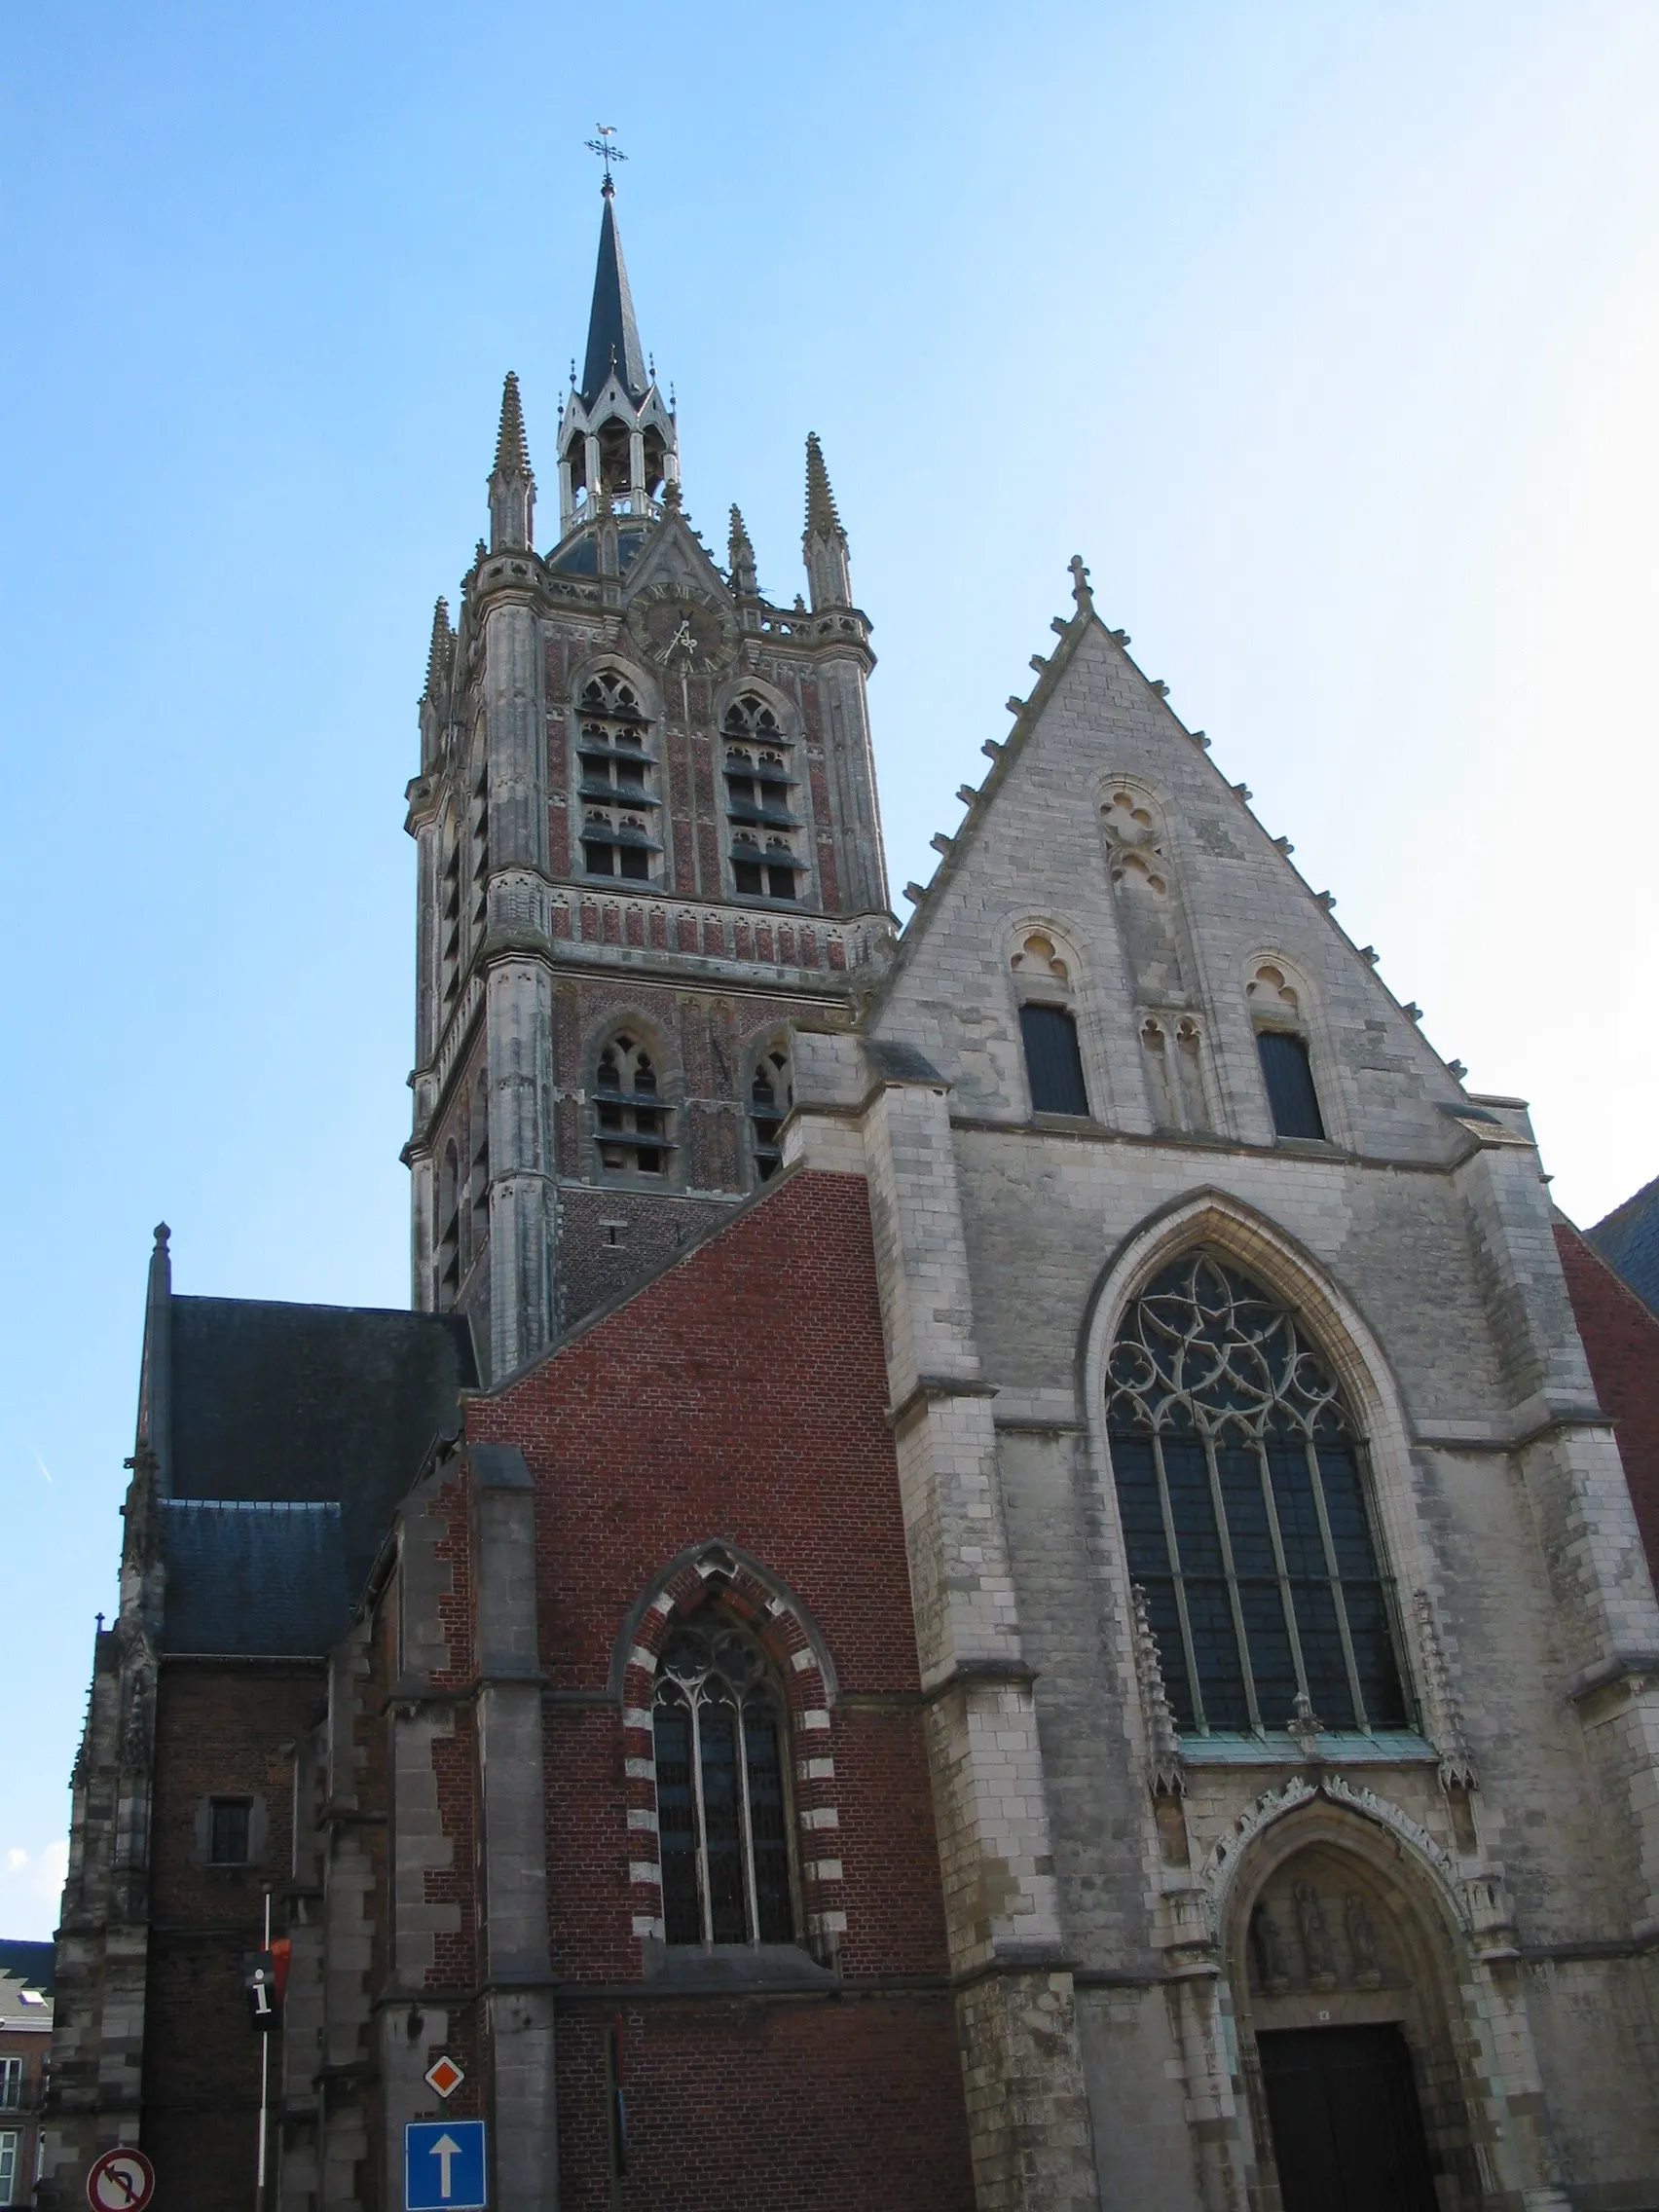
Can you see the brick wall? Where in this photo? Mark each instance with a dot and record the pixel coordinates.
(740, 1398)
(219, 1729)
(1621, 1342)
(784, 2107)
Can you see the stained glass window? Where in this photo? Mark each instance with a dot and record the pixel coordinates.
(722, 1822)
(1241, 1484)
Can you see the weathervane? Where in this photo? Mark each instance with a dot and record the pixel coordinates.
(607, 152)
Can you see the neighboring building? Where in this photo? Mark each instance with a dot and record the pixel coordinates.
(1628, 1239)
(991, 1572)
(26, 1978)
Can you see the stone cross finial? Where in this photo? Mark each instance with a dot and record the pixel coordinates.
(1079, 586)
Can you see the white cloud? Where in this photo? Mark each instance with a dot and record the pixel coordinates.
(31, 1888)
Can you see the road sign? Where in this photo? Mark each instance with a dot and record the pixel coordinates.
(443, 2166)
(121, 2181)
(444, 2076)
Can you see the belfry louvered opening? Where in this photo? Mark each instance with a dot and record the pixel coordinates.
(760, 805)
(1243, 1488)
(616, 792)
(722, 1811)
(631, 1118)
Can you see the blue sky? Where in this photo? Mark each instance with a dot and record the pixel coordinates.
(1326, 334)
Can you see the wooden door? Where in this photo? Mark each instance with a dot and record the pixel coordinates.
(1347, 2130)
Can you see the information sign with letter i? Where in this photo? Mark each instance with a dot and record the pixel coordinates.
(444, 2166)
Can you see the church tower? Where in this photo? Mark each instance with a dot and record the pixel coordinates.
(648, 840)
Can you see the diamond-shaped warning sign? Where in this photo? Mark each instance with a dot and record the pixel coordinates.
(444, 2076)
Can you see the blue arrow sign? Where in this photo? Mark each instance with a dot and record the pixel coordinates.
(443, 2166)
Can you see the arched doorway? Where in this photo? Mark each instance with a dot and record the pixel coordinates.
(1343, 1988)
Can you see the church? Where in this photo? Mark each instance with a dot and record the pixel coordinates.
(997, 1567)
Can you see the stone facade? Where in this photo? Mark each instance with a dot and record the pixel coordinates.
(800, 1258)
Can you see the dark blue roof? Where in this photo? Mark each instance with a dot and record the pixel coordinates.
(249, 1576)
(1629, 1241)
(33, 1964)
(311, 1405)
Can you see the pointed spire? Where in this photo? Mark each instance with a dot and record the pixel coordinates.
(613, 336)
(824, 541)
(512, 454)
(821, 519)
(440, 652)
(512, 482)
(742, 556)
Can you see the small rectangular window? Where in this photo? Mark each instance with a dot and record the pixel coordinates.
(7, 2165)
(1290, 1084)
(11, 2084)
(228, 1826)
(1052, 1062)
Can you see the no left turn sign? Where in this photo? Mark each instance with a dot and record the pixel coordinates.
(121, 2181)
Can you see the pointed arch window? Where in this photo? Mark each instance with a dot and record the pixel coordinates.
(617, 784)
(631, 1118)
(1241, 1483)
(771, 1094)
(765, 828)
(721, 1788)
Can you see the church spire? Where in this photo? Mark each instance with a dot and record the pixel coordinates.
(616, 435)
(613, 336)
(823, 539)
(439, 653)
(513, 483)
(742, 557)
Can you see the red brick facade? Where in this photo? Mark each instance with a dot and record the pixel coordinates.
(1621, 1342)
(739, 1399)
(220, 1729)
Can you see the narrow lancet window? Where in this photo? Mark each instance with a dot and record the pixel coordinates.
(631, 1119)
(1054, 1065)
(765, 828)
(722, 1818)
(771, 1096)
(618, 791)
(1241, 1484)
(1290, 1078)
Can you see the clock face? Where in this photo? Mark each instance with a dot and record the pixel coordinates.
(680, 629)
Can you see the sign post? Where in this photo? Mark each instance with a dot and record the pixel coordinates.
(444, 2166)
(122, 2180)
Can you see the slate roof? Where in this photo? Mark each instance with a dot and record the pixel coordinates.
(252, 1577)
(1628, 1239)
(293, 1432)
(26, 1966)
(613, 336)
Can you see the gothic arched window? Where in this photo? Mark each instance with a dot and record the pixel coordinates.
(616, 790)
(770, 1097)
(723, 1808)
(1241, 1481)
(631, 1119)
(758, 803)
